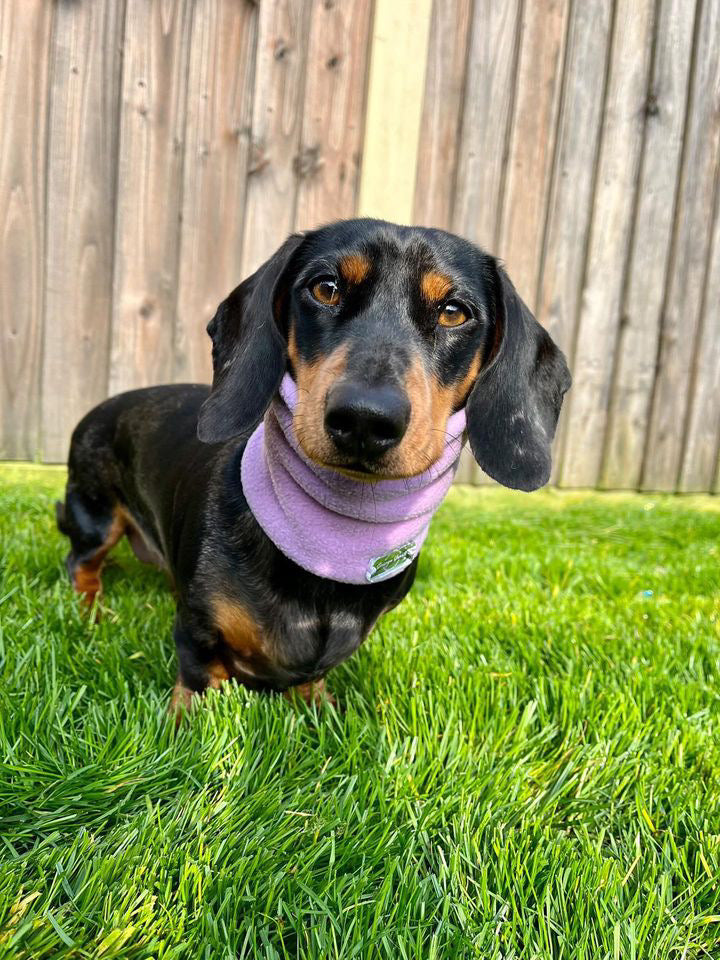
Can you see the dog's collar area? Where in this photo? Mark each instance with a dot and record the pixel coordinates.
(331, 524)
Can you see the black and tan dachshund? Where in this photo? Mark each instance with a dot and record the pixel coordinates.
(419, 323)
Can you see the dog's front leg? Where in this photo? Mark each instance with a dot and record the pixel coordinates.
(200, 666)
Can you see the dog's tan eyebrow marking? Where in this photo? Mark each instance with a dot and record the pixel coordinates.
(435, 286)
(354, 268)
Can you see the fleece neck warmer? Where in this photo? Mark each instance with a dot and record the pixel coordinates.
(332, 525)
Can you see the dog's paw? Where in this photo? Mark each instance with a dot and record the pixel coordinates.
(313, 693)
(181, 703)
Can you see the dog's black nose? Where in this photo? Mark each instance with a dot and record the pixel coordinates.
(365, 422)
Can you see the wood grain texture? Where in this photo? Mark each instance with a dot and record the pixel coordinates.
(152, 123)
(156, 151)
(276, 124)
(570, 200)
(333, 113)
(442, 113)
(532, 140)
(484, 133)
(688, 265)
(394, 109)
(487, 113)
(25, 30)
(85, 89)
(702, 427)
(570, 203)
(636, 349)
(610, 235)
(217, 149)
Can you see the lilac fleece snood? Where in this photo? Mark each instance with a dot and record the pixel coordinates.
(330, 524)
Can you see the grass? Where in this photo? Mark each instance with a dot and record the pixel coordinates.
(526, 765)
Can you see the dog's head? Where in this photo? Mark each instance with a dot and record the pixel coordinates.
(387, 331)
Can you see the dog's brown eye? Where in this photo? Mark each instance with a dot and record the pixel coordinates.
(452, 314)
(326, 292)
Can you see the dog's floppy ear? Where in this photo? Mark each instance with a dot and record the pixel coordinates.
(249, 351)
(513, 408)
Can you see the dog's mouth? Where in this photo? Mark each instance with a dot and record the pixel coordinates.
(357, 470)
(362, 471)
(354, 469)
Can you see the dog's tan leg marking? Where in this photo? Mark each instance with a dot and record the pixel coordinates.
(181, 701)
(86, 579)
(315, 692)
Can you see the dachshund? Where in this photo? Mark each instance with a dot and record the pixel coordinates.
(367, 339)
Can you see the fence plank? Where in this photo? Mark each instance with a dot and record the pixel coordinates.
(135, 127)
(442, 113)
(532, 140)
(663, 452)
(570, 202)
(217, 147)
(702, 431)
(640, 323)
(84, 89)
(24, 57)
(276, 124)
(609, 239)
(394, 109)
(152, 123)
(484, 132)
(489, 91)
(333, 112)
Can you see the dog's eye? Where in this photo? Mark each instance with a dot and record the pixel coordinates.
(326, 291)
(452, 314)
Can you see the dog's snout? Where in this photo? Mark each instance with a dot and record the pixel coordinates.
(365, 422)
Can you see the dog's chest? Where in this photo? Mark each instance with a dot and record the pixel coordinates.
(277, 624)
(287, 641)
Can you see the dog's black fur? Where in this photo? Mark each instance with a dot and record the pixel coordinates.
(162, 465)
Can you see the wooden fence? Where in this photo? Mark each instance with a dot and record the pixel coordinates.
(155, 151)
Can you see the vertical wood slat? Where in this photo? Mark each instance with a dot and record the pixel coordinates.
(686, 280)
(25, 32)
(82, 140)
(328, 164)
(152, 119)
(537, 97)
(442, 113)
(570, 200)
(636, 348)
(488, 104)
(487, 111)
(183, 155)
(443, 97)
(394, 108)
(276, 123)
(702, 434)
(610, 234)
(217, 147)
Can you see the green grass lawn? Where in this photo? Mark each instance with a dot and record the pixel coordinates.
(526, 763)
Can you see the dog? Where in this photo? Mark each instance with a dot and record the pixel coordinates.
(367, 340)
